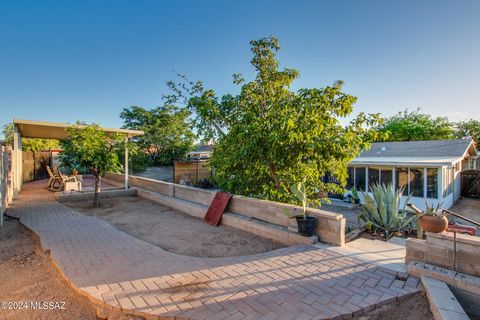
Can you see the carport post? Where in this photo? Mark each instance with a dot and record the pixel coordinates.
(126, 163)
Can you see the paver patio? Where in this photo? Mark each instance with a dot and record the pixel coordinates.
(298, 282)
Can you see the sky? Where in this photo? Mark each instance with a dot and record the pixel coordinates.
(87, 60)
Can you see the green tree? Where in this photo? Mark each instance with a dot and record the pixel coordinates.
(269, 137)
(137, 158)
(91, 147)
(29, 144)
(468, 127)
(414, 125)
(168, 133)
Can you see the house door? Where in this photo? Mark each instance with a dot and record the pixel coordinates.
(471, 183)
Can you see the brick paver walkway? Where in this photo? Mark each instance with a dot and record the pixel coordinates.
(299, 282)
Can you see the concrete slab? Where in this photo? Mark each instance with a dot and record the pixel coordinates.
(386, 254)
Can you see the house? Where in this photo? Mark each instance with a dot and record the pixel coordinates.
(201, 152)
(428, 170)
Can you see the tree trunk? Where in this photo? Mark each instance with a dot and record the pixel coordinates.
(96, 196)
(272, 171)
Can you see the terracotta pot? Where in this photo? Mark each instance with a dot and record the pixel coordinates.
(435, 224)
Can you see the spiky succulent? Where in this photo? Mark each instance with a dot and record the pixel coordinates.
(383, 210)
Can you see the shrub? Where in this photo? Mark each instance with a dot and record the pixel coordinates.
(382, 211)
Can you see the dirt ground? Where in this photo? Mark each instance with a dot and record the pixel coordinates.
(27, 276)
(173, 230)
(412, 308)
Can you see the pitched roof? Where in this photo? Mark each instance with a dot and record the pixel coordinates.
(425, 149)
(204, 148)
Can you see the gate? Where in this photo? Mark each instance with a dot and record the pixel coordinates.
(471, 183)
(34, 163)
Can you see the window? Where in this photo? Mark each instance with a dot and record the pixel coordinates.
(386, 176)
(373, 176)
(416, 182)
(350, 178)
(432, 183)
(360, 178)
(401, 179)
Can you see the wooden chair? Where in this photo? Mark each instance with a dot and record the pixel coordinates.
(53, 179)
(62, 179)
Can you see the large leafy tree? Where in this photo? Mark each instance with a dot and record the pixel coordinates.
(468, 127)
(92, 148)
(414, 125)
(168, 133)
(270, 137)
(29, 144)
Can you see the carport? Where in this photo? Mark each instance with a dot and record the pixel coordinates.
(49, 130)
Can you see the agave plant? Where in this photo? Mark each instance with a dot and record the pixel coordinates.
(432, 210)
(383, 210)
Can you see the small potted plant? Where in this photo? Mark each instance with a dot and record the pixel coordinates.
(306, 224)
(433, 219)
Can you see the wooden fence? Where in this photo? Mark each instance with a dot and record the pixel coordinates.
(191, 172)
(471, 183)
(34, 165)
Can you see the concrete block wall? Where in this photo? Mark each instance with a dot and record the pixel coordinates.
(331, 226)
(438, 249)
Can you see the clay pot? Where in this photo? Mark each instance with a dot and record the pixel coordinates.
(435, 224)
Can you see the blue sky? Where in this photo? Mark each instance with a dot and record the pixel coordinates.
(87, 60)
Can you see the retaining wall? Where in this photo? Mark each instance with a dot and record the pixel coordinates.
(331, 226)
(438, 249)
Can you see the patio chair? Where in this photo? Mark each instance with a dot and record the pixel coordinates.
(65, 180)
(53, 179)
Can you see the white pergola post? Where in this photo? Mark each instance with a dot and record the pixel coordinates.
(17, 162)
(126, 163)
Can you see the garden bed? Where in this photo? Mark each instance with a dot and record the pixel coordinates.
(173, 230)
(27, 275)
(415, 307)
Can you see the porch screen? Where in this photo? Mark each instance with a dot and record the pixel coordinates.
(350, 178)
(401, 179)
(432, 183)
(373, 177)
(386, 176)
(416, 182)
(360, 178)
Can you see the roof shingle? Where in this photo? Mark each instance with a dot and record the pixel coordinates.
(428, 148)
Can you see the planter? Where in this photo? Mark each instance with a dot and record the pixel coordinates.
(306, 227)
(435, 224)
